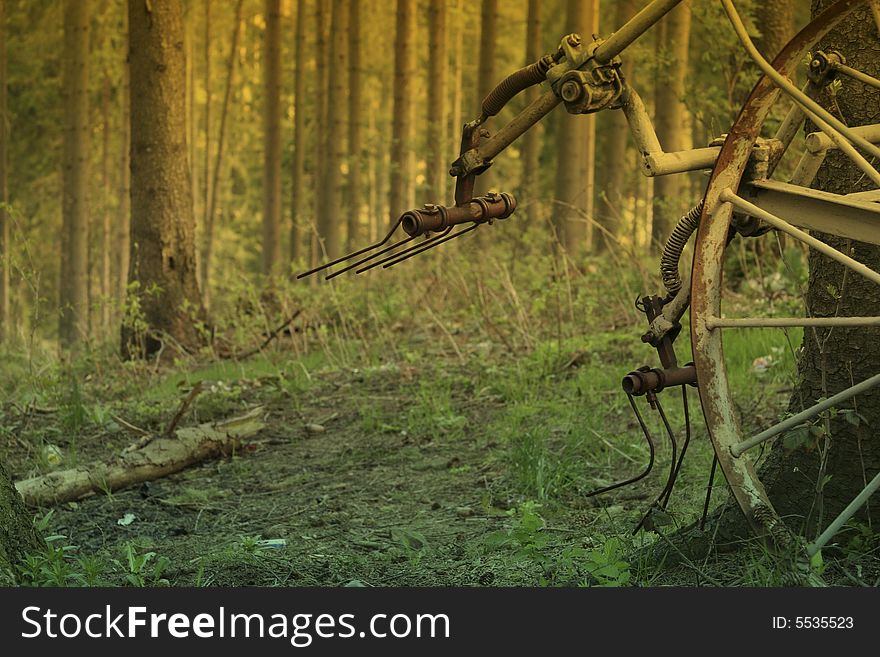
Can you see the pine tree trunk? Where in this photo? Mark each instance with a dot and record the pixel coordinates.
(123, 219)
(322, 51)
(775, 20)
(5, 259)
(614, 194)
(574, 189)
(670, 120)
(163, 253)
(437, 113)
(106, 224)
(486, 73)
(211, 212)
(356, 229)
(17, 534)
(73, 325)
(333, 187)
(533, 138)
(808, 493)
(401, 138)
(297, 204)
(457, 77)
(272, 140)
(206, 167)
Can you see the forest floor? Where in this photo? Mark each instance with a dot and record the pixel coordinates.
(440, 469)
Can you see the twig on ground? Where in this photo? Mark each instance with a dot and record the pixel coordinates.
(274, 334)
(184, 405)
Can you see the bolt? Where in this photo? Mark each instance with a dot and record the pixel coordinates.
(574, 39)
(571, 91)
(484, 133)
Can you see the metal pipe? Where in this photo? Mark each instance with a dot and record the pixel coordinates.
(845, 515)
(855, 74)
(841, 143)
(728, 196)
(782, 322)
(633, 29)
(816, 142)
(812, 108)
(790, 423)
(480, 158)
(664, 164)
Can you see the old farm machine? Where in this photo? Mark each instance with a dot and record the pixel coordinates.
(742, 198)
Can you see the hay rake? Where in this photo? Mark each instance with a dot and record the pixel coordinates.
(742, 198)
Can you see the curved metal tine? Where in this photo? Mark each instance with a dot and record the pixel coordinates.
(673, 470)
(684, 447)
(370, 257)
(353, 255)
(430, 246)
(708, 491)
(406, 250)
(651, 450)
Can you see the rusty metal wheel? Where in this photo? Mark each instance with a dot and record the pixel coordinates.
(735, 192)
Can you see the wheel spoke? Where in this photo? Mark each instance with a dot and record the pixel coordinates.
(790, 423)
(780, 224)
(845, 515)
(784, 322)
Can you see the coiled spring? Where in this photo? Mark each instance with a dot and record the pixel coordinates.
(674, 247)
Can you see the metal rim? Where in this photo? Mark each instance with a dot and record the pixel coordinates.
(706, 280)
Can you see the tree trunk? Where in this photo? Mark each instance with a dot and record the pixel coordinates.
(809, 486)
(163, 227)
(486, 73)
(775, 20)
(123, 219)
(272, 140)
(614, 193)
(401, 137)
(320, 133)
(297, 204)
(5, 259)
(575, 152)
(457, 75)
(533, 138)
(211, 211)
(73, 324)
(206, 167)
(106, 224)
(17, 533)
(333, 186)
(437, 112)
(356, 228)
(670, 119)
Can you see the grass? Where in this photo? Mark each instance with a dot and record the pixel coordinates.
(443, 428)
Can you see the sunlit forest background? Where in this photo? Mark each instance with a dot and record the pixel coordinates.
(582, 187)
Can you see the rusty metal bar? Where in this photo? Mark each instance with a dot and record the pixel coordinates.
(837, 139)
(790, 423)
(811, 107)
(633, 29)
(850, 510)
(664, 164)
(807, 168)
(812, 209)
(782, 322)
(643, 381)
(480, 158)
(433, 218)
(728, 196)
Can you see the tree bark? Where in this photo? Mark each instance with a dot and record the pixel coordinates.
(5, 259)
(356, 228)
(670, 119)
(486, 72)
(437, 108)
(575, 153)
(297, 204)
(123, 218)
(320, 134)
(206, 168)
(775, 20)
(614, 193)
(333, 187)
(163, 227)
(401, 138)
(272, 140)
(533, 138)
(17, 534)
(73, 325)
(106, 223)
(809, 486)
(211, 211)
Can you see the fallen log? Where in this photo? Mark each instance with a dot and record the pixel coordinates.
(159, 458)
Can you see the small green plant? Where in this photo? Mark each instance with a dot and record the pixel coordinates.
(142, 569)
